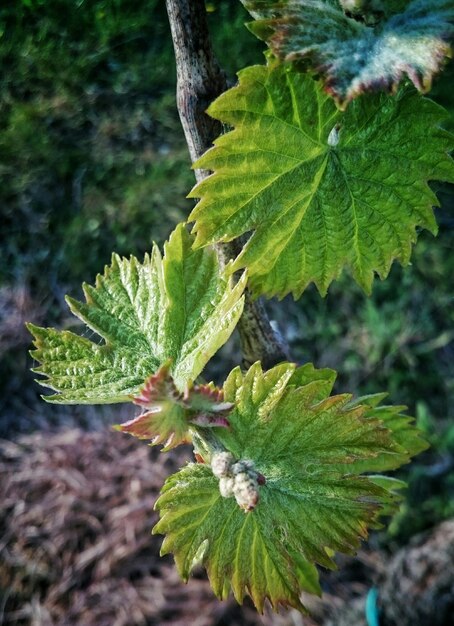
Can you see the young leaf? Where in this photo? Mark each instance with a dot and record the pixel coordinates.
(318, 188)
(169, 413)
(406, 437)
(301, 424)
(292, 437)
(178, 308)
(366, 47)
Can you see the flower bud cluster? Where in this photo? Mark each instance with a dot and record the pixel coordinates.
(238, 479)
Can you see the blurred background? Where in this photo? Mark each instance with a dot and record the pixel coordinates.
(93, 160)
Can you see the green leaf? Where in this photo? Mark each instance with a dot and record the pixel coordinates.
(176, 308)
(393, 486)
(307, 373)
(284, 441)
(369, 47)
(242, 552)
(388, 482)
(169, 413)
(302, 425)
(318, 188)
(408, 439)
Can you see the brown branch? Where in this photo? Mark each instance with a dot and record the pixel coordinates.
(199, 82)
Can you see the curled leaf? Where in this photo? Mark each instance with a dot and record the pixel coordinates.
(165, 418)
(357, 47)
(169, 414)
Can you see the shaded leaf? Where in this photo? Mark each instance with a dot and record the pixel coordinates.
(319, 189)
(368, 47)
(176, 308)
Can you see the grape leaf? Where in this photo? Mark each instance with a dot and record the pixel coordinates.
(169, 413)
(306, 508)
(362, 50)
(406, 437)
(176, 308)
(313, 428)
(393, 486)
(318, 188)
(307, 373)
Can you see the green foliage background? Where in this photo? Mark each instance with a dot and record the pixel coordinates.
(92, 160)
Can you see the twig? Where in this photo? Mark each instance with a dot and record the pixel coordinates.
(199, 81)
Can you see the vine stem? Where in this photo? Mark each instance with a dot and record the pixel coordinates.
(199, 81)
